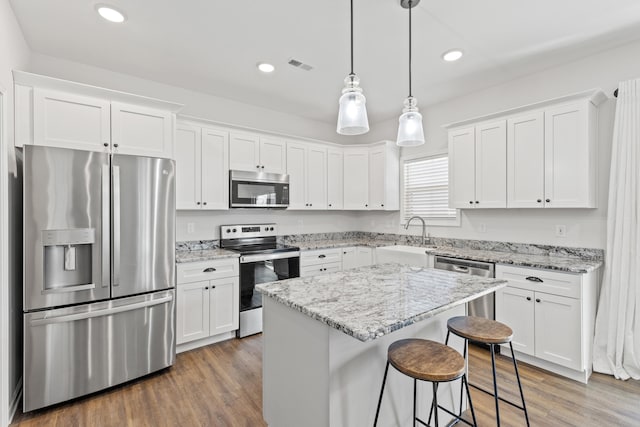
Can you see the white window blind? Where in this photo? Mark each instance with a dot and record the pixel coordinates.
(426, 188)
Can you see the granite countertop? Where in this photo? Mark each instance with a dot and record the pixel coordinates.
(550, 262)
(204, 255)
(369, 302)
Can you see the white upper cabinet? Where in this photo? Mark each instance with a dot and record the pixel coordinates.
(70, 121)
(335, 178)
(356, 178)
(384, 177)
(60, 113)
(141, 131)
(478, 166)
(548, 160)
(570, 155)
(462, 168)
(252, 152)
(202, 171)
(307, 169)
(525, 159)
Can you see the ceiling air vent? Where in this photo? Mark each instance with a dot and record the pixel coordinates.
(299, 64)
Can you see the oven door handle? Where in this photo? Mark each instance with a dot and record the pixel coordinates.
(267, 257)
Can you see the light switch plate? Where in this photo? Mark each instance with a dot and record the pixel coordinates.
(561, 230)
(191, 227)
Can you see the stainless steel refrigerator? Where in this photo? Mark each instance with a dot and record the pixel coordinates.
(99, 271)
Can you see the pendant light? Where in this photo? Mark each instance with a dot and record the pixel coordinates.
(410, 131)
(352, 115)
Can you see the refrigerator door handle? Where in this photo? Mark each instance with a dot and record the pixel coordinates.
(100, 313)
(105, 226)
(116, 225)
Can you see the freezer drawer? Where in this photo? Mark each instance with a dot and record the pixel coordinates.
(74, 351)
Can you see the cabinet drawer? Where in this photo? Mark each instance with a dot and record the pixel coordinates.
(207, 270)
(552, 282)
(314, 270)
(320, 256)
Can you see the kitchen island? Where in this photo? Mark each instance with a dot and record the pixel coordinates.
(326, 337)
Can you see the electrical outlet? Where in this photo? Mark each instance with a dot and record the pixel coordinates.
(482, 228)
(561, 230)
(191, 227)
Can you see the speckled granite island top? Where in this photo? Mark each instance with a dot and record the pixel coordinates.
(370, 302)
(204, 255)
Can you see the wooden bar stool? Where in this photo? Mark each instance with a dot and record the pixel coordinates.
(491, 333)
(427, 360)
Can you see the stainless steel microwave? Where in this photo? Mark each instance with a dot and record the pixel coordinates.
(258, 190)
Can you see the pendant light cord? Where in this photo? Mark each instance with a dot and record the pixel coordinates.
(352, 38)
(410, 7)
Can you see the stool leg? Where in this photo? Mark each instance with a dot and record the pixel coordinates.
(415, 385)
(495, 383)
(384, 380)
(466, 363)
(515, 367)
(473, 412)
(446, 341)
(435, 403)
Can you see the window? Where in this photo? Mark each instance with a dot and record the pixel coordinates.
(426, 191)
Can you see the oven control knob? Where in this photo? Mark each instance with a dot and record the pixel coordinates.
(234, 230)
(271, 229)
(228, 230)
(266, 229)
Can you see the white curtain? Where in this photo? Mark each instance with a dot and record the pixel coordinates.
(617, 333)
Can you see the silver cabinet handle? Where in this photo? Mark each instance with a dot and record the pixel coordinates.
(116, 225)
(106, 222)
(209, 270)
(100, 313)
(460, 268)
(534, 279)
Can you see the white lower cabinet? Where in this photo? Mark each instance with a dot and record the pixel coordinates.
(320, 261)
(552, 315)
(356, 256)
(207, 300)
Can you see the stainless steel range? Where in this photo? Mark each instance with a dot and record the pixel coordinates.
(262, 260)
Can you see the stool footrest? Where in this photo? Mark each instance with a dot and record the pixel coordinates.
(457, 417)
(491, 394)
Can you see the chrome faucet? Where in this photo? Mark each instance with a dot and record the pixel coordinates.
(425, 241)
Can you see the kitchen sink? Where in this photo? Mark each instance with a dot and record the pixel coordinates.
(409, 255)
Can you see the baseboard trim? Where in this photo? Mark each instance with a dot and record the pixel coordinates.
(15, 400)
(580, 376)
(205, 341)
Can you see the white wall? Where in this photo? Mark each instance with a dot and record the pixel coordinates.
(14, 53)
(586, 227)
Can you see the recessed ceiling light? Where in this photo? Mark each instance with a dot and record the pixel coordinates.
(110, 13)
(452, 55)
(266, 68)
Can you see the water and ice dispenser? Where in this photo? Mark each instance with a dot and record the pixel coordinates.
(68, 259)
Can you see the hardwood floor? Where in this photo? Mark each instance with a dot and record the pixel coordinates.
(221, 385)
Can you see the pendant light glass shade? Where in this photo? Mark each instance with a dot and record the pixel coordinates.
(352, 116)
(410, 131)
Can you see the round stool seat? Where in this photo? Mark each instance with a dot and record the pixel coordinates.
(426, 360)
(480, 330)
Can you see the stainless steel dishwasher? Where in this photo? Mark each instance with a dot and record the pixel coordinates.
(480, 307)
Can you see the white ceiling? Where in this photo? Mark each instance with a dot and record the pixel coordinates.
(213, 46)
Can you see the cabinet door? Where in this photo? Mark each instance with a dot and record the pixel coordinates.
(377, 178)
(364, 256)
(70, 121)
(224, 305)
(244, 152)
(141, 131)
(316, 177)
(515, 307)
(569, 157)
(192, 312)
(356, 179)
(335, 178)
(273, 155)
(215, 169)
(349, 258)
(491, 165)
(296, 168)
(188, 154)
(462, 168)
(525, 161)
(557, 330)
